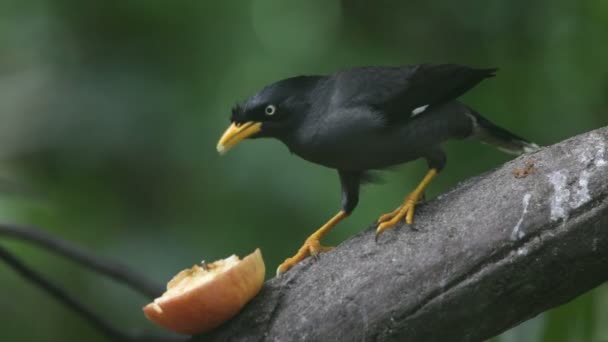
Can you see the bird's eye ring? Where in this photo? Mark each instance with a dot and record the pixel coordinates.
(270, 109)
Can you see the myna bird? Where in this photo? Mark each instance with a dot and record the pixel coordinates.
(369, 118)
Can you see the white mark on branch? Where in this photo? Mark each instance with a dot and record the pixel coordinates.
(522, 251)
(594, 152)
(601, 150)
(560, 197)
(582, 195)
(518, 233)
(590, 158)
(565, 198)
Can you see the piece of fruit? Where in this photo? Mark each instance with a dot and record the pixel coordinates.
(203, 297)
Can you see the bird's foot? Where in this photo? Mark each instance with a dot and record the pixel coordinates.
(406, 210)
(311, 246)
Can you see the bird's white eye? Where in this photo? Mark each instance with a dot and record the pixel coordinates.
(270, 109)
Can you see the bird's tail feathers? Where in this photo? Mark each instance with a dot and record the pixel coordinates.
(499, 137)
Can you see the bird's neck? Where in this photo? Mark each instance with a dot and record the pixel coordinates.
(308, 108)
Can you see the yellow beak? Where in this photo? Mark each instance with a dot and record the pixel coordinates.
(235, 133)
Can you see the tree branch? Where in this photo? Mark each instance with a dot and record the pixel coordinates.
(112, 269)
(493, 252)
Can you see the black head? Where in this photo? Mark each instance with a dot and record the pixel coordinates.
(272, 112)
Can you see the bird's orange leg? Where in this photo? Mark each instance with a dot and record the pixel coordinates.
(407, 208)
(312, 245)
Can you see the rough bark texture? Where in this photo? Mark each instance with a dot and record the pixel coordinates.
(495, 251)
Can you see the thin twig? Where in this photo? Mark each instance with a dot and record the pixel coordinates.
(112, 269)
(107, 329)
(56, 292)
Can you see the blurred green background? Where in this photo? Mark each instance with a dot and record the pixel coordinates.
(110, 112)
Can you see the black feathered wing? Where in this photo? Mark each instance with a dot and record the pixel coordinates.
(396, 92)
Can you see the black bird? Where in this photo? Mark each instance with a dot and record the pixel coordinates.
(369, 118)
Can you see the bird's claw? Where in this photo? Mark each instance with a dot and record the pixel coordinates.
(310, 247)
(406, 210)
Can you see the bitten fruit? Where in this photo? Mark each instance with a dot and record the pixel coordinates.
(203, 297)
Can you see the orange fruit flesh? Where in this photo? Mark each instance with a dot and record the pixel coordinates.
(203, 297)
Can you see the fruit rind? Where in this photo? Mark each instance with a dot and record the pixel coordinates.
(198, 300)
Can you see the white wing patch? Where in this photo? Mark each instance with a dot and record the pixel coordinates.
(419, 110)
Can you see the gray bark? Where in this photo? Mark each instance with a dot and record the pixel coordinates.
(495, 251)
